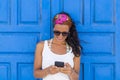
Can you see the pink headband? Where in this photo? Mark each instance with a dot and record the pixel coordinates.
(61, 18)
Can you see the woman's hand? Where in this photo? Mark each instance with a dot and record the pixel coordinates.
(67, 69)
(52, 70)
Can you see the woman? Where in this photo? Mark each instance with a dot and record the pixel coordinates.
(59, 57)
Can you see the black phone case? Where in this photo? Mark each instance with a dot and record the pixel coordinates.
(59, 64)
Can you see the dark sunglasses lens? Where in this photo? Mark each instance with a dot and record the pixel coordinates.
(65, 33)
(57, 33)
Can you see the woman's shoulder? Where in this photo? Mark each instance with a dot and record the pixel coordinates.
(41, 43)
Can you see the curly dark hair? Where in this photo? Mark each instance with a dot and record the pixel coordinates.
(72, 39)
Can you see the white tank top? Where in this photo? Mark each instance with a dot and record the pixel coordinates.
(49, 58)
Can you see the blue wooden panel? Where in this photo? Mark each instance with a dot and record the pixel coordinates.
(117, 40)
(25, 71)
(102, 72)
(17, 43)
(56, 6)
(81, 76)
(12, 66)
(93, 17)
(4, 9)
(4, 71)
(77, 7)
(102, 6)
(103, 43)
(27, 18)
(28, 12)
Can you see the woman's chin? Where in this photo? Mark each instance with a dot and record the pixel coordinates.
(60, 40)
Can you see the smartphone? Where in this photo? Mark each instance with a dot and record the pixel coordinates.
(59, 64)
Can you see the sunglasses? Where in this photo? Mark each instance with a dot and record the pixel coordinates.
(57, 33)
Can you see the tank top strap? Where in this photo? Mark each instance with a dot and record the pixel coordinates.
(45, 44)
(45, 48)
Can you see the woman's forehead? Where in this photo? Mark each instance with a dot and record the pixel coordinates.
(61, 27)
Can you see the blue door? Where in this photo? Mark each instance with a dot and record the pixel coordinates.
(25, 22)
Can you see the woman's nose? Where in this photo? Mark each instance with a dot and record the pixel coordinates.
(60, 36)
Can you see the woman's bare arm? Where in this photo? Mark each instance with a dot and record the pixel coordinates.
(75, 73)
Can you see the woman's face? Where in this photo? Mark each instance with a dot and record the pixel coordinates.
(61, 32)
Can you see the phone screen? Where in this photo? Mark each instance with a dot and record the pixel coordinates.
(59, 64)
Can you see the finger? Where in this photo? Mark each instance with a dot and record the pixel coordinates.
(54, 67)
(67, 65)
(62, 68)
(65, 71)
(54, 70)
